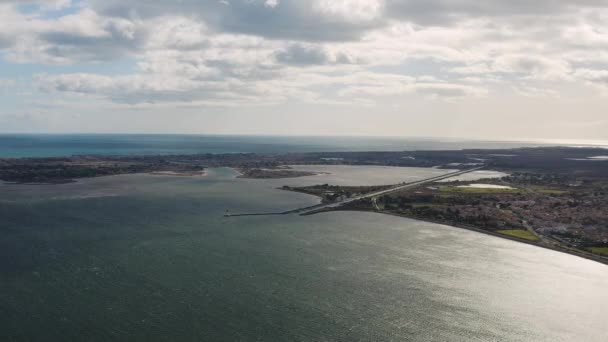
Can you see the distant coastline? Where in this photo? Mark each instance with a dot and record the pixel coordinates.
(67, 145)
(179, 173)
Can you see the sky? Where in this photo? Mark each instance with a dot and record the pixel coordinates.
(492, 69)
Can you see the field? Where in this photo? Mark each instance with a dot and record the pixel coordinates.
(550, 191)
(519, 233)
(455, 189)
(599, 250)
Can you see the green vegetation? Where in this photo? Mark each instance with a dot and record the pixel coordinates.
(426, 205)
(519, 233)
(599, 250)
(332, 193)
(272, 173)
(551, 191)
(455, 189)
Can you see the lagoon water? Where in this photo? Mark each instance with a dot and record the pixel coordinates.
(151, 258)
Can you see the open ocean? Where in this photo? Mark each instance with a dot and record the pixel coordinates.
(51, 145)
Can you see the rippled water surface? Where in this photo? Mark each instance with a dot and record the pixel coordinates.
(151, 258)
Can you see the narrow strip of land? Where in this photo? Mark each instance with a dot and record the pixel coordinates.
(396, 188)
(399, 187)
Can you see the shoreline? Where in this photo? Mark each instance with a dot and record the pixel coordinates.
(80, 179)
(178, 173)
(566, 250)
(276, 173)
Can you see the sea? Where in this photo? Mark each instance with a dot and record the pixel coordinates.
(60, 145)
(152, 258)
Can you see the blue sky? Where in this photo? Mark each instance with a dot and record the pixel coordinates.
(493, 70)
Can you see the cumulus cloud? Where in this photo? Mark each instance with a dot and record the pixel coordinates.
(134, 89)
(374, 85)
(537, 67)
(309, 55)
(594, 76)
(350, 10)
(528, 66)
(270, 50)
(82, 36)
(44, 4)
(303, 55)
(312, 20)
(441, 12)
(7, 83)
(271, 3)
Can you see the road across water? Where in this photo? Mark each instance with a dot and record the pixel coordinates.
(399, 187)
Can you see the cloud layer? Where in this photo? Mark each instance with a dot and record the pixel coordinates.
(244, 53)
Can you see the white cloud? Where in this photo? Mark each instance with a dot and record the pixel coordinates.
(532, 66)
(599, 77)
(176, 33)
(350, 10)
(7, 83)
(45, 4)
(271, 3)
(244, 53)
(374, 85)
(83, 36)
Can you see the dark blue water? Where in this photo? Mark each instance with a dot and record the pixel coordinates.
(46, 145)
(151, 258)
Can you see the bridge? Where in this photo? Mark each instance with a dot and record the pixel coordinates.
(324, 206)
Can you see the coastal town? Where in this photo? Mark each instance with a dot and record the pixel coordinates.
(565, 213)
